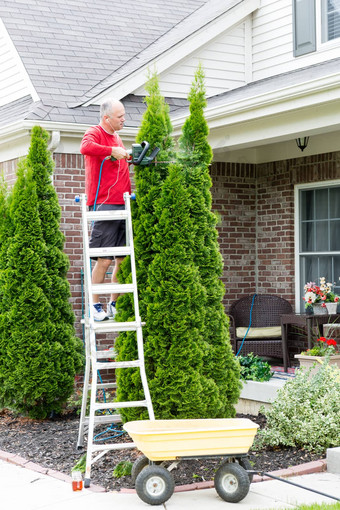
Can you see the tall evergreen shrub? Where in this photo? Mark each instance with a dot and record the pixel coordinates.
(196, 155)
(175, 349)
(40, 161)
(5, 233)
(156, 129)
(5, 223)
(39, 354)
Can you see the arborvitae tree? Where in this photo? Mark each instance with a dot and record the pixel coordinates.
(39, 353)
(57, 263)
(5, 224)
(30, 364)
(156, 129)
(175, 349)
(5, 233)
(196, 155)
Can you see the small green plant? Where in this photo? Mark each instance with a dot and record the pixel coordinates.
(80, 465)
(73, 403)
(305, 413)
(123, 468)
(254, 368)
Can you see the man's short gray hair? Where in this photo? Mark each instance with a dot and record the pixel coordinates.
(108, 107)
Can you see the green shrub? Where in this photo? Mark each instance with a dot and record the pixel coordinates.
(306, 412)
(39, 353)
(253, 368)
(175, 315)
(219, 363)
(156, 129)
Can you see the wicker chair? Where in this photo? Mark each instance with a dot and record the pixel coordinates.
(264, 336)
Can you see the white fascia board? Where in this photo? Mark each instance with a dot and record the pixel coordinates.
(19, 63)
(271, 104)
(181, 50)
(308, 93)
(15, 138)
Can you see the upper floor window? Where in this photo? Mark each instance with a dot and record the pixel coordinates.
(330, 19)
(315, 22)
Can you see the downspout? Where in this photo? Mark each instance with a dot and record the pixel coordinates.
(54, 141)
(54, 144)
(256, 237)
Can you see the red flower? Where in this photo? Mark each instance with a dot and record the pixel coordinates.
(321, 339)
(331, 342)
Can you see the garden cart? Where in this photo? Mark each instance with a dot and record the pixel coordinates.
(175, 440)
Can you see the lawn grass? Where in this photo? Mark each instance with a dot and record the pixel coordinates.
(320, 506)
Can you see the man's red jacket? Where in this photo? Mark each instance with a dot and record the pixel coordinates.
(115, 179)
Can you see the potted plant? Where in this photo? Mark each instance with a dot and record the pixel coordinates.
(320, 299)
(322, 348)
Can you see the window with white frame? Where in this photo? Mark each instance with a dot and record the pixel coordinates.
(319, 235)
(330, 19)
(315, 22)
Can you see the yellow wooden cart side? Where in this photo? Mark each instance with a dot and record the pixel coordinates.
(173, 439)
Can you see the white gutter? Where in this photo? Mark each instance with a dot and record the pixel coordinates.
(263, 118)
(309, 93)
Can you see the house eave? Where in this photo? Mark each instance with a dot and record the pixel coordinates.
(15, 137)
(308, 108)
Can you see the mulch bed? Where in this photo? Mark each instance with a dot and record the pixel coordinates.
(53, 444)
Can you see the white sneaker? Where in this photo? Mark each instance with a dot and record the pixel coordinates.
(111, 311)
(98, 312)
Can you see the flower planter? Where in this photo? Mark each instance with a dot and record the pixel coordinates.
(331, 308)
(318, 309)
(316, 361)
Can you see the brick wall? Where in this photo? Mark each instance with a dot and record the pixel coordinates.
(275, 230)
(69, 181)
(255, 204)
(234, 199)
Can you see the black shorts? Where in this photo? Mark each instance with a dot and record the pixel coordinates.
(108, 234)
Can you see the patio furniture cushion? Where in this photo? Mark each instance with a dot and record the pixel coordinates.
(266, 332)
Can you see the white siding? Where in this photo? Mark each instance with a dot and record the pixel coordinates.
(272, 41)
(14, 81)
(223, 61)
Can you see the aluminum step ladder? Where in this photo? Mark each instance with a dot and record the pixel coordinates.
(99, 359)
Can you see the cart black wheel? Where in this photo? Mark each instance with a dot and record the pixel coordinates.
(139, 464)
(244, 462)
(155, 485)
(231, 482)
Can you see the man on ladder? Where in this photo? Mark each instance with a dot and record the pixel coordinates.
(106, 181)
(108, 194)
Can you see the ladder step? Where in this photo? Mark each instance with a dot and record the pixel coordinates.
(106, 354)
(106, 215)
(106, 386)
(112, 288)
(120, 405)
(119, 251)
(104, 419)
(111, 326)
(117, 364)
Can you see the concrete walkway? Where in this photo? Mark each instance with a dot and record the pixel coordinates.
(24, 485)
